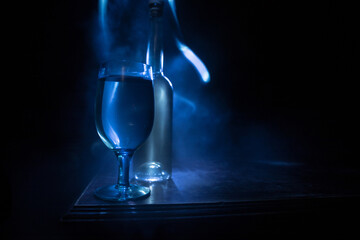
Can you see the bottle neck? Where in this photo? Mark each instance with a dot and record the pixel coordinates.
(155, 54)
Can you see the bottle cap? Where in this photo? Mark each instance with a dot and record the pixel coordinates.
(156, 7)
(156, 1)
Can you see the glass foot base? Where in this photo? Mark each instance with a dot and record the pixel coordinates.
(151, 172)
(119, 194)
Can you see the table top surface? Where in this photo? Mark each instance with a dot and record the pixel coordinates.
(215, 188)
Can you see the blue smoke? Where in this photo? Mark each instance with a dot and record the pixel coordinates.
(107, 19)
(203, 126)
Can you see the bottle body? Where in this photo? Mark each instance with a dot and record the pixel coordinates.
(153, 160)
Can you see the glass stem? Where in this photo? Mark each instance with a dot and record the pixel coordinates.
(124, 159)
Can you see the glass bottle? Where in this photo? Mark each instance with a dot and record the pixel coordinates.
(153, 160)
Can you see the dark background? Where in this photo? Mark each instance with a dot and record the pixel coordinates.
(287, 66)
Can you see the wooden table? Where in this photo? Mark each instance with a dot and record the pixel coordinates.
(246, 197)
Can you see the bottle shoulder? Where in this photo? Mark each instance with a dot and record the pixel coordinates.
(160, 78)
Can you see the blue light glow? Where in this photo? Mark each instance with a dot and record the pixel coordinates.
(104, 33)
(188, 53)
(195, 60)
(102, 8)
(187, 102)
(106, 39)
(173, 9)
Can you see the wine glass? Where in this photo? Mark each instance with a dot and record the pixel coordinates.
(124, 114)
